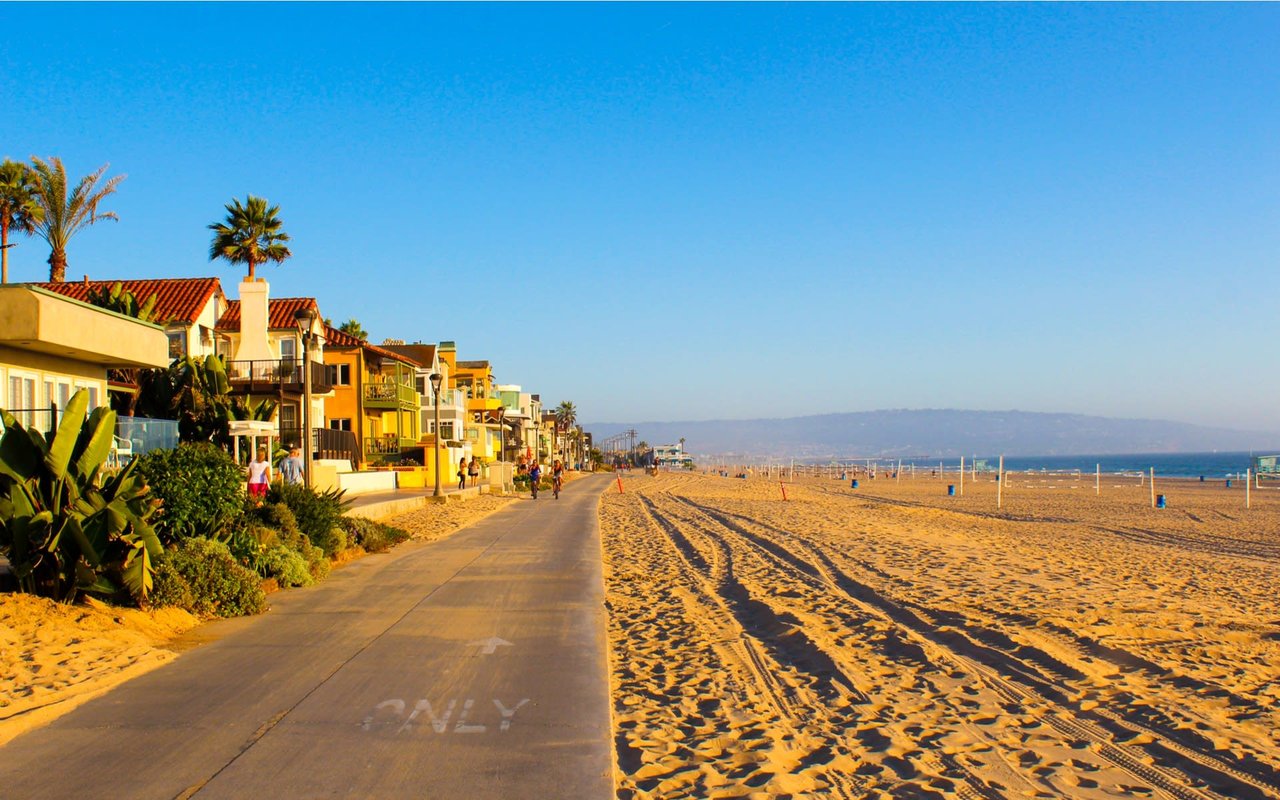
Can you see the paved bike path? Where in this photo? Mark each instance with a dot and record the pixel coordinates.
(473, 667)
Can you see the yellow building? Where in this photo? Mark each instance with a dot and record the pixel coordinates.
(52, 346)
(474, 379)
(374, 397)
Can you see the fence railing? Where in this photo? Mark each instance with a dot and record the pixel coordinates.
(325, 443)
(285, 374)
(44, 419)
(144, 434)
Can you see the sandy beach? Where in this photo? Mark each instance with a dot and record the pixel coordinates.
(894, 642)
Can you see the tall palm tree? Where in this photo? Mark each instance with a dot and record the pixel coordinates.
(19, 210)
(250, 234)
(566, 414)
(353, 328)
(65, 214)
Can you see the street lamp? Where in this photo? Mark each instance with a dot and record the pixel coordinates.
(305, 318)
(502, 435)
(436, 379)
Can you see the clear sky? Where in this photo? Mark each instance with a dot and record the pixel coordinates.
(666, 212)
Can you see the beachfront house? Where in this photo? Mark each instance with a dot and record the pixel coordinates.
(375, 397)
(475, 382)
(188, 309)
(52, 346)
(263, 346)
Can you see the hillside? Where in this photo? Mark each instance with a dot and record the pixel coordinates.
(940, 432)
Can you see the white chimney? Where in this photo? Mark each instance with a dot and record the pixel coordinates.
(254, 344)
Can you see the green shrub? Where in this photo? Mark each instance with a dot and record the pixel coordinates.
(286, 565)
(200, 486)
(319, 514)
(374, 537)
(215, 583)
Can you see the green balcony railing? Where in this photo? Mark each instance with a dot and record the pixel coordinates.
(389, 394)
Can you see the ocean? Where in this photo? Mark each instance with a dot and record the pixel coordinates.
(1170, 465)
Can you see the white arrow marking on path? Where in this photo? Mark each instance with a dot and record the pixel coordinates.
(490, 646)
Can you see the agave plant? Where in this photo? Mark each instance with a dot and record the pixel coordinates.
(65, 525)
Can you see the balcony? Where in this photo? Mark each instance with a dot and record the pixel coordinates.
(276, 377)
(387, 445)
(390, 394)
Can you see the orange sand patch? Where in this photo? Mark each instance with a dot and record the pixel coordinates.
(54, 657)
(895, 642)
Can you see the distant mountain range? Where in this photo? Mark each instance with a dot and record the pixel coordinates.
(945, 433)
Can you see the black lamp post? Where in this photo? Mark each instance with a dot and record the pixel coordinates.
(502, 435)
(305, 318)
(436, 379)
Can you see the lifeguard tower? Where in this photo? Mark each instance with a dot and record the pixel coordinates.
(1267, 468)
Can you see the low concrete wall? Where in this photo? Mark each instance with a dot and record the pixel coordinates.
(362, 482)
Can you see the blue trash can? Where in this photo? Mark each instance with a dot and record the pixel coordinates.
(854, 484)
(951, 490)
(1228, 483)
(1159, 501)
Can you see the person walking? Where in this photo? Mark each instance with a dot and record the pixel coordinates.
(473, 470)
(259, 476)
(292, 468)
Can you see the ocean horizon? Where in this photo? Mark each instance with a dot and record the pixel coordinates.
(1170, 465)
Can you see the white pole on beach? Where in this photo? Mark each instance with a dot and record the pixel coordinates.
(962, 476)
(940, 475)
(898, 473)
(793, 469)
(1153, 487)
(1000, 484)
(1097, 479)
(1248, 481)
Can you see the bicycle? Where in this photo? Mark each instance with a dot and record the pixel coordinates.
(555, 486)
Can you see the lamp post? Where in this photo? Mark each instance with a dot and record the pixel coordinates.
(502, 435)
(436, 379)
(305, 318)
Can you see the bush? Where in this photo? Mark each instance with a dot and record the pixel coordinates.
(318, 514)
(200, 486)
(286, 565)
(374, 537)
(203, 577)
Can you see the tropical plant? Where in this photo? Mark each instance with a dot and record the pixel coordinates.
(19, 210)
(122, 301)
(197, 393)
(318, 514)
(63, 214)
(65, 526)
(353, 328)
(200, 487)
(250, 234)
(566, 414)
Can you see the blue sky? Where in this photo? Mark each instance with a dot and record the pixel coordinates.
(668, 212)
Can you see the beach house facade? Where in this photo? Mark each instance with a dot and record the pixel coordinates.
(52, 346)
(263, 344)
(375, 397)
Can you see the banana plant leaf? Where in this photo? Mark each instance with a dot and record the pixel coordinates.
(64, 441)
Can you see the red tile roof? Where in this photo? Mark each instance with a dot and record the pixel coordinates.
(177, 299)
(336, 338)
(280, 310)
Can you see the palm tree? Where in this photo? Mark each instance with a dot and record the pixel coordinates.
(353, 328)
(65, 214)
(250, 235)
(18, 208)
(566, 414)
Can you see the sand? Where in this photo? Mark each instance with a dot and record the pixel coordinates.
(894, 642)
(55, 657)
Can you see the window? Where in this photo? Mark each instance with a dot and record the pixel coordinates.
(93, 390)
(446, 430)
(342, 377)
(340, 424)
(472, 433)
(22, 397)
(289, 427)
(177, 344)
(57, 392)
(288, 349)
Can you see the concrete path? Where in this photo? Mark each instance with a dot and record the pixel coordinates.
(468, 668)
